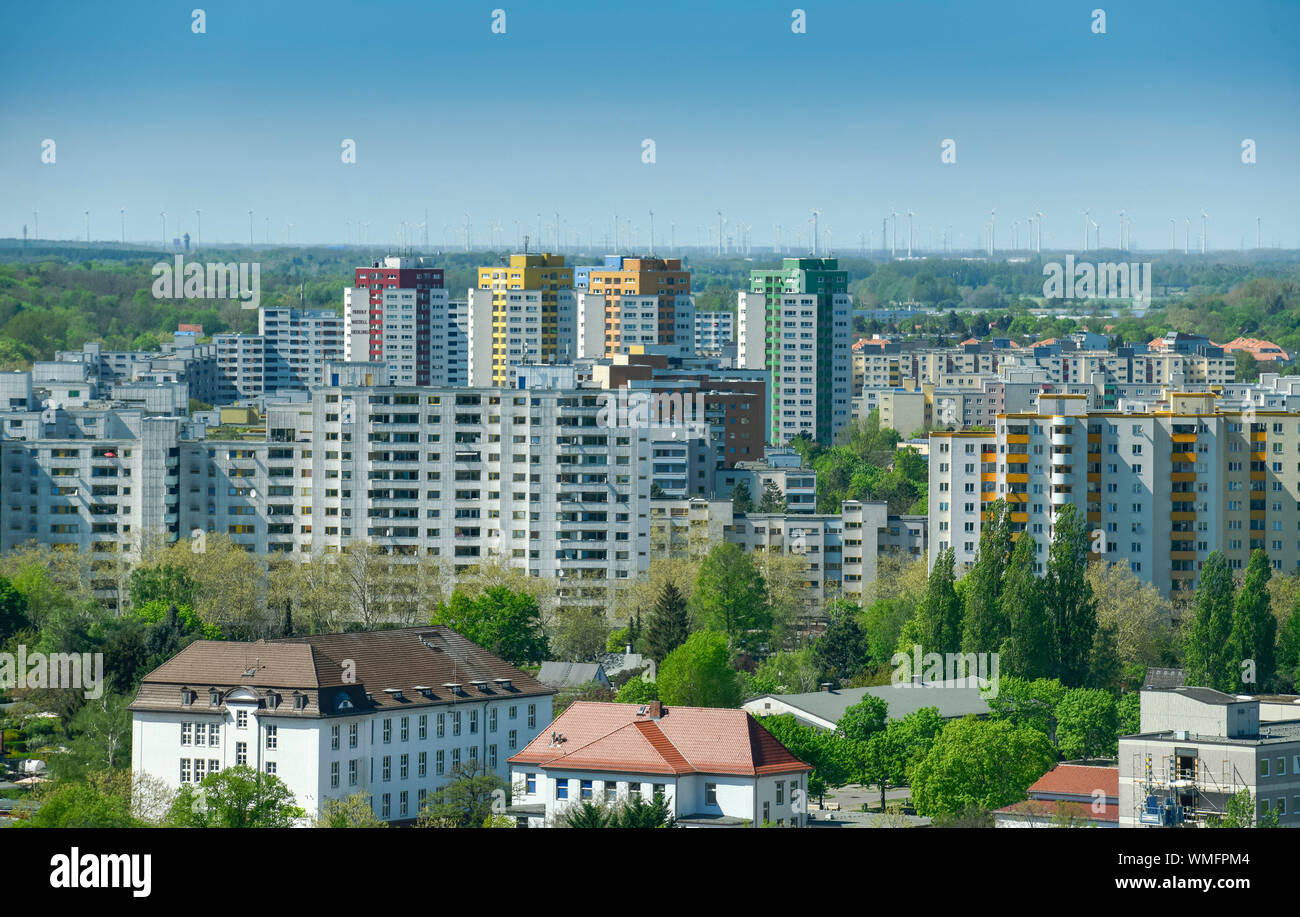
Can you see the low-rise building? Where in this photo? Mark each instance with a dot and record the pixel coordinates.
(714, 767)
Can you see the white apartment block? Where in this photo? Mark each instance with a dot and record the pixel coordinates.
(1160, 489)
(394, 714)
(299, 342)
(714, 331)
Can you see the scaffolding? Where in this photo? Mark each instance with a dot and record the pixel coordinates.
(1181, 790)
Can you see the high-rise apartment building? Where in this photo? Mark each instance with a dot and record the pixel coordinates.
(1159, 489)
(797, 322)
(395, 313)
(521, 302)
(647, 303)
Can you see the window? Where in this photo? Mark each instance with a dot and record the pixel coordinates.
(492, 720)
(352, 772)
(438, 761)
(780, 792)
(187, 737)
(442, 725)
(214, 735)
(388, 805)
(422, 764)
(403, 767)
(492, 757)
(185, 770)
(611, 791)
(530, 783)
(767, 811)
(388, 731)
(659, 790)
(241, 719)
(513, 739)
(422, 728)
(271, 736)
(406, 728)
(387, 768)
(532, 716)
(561, 789)
(241, 753)
(455, 723)
(514, 713)
(270, 767)
(710, 794)
(1263, 767)
(473, 722)
(352, 735)
(402, 803)
(334, 739)
(334, 774)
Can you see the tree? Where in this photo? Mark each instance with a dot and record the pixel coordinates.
(669, 623)
(982, 764)
(731, 595)
(1069, 597)
(773, 500)
(1087, 723)
(742, 501)
(891, 754)
(1208, 637)
(839, 650)
(1139, 614)
(1288, 651)
(99, 802)
(355, 811)
(936, 625)
(698, 673)
(984, 620)
(1028, 703)
(824, 751)
(237, 797)
(500, 620)
(13, 611)
(467, 800)
(578, 634)
(100, 738)
(168, 584)
(1129, 713)
(1027, 650)
(1251, 645)
(637, 691)
(1241, 813)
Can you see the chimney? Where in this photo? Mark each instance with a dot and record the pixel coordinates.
(656, 709)
(825, 686)
(629, 649)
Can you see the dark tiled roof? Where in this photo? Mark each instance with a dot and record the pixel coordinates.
(372, 670)
(1164, 678)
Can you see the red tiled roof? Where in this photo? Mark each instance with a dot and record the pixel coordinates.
(1259, 349)
(1047, 808)
(684, 740)
(1077, 780)
(970, 341)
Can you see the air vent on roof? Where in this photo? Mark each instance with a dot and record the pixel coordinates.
(250, 671)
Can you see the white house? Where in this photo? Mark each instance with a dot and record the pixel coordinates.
(715, 767)
(391, 712)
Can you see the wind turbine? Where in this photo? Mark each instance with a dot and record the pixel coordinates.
(123, 225)
(993, 231)
(1097, 226)
(1121, 230)
(87, 226)
(1204, 217)
(1187, 235)
(910, 214)
(164, 222)
(1039, 214)
(1086, 220)
(250, 229)
(1173, 234)
(198, 228)
(893, 245)
(1015, 235)
(1257, 233)
(815, 239)
(36, 224)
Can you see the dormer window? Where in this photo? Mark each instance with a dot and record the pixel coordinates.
(188, 696)
(300, 701)
(214, 697)
(272, 700)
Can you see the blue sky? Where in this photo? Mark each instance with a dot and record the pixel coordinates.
(746, 116)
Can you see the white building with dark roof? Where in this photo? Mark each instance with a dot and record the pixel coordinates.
(393, 713)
